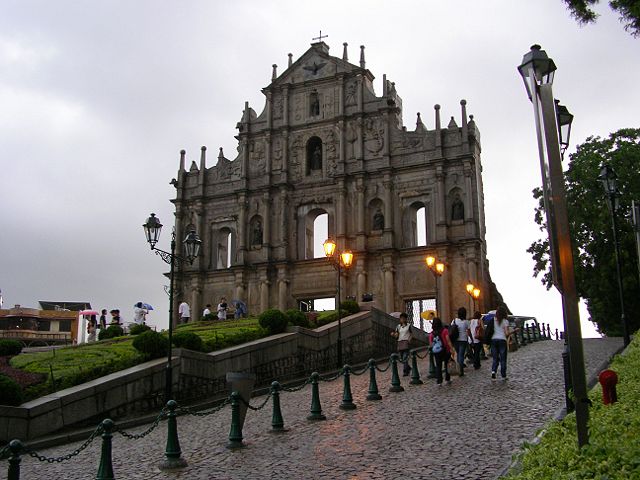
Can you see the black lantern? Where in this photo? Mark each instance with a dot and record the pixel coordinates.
(192, 246)
(542, 66)
(565, 119)
(609, 179)
(152, 229)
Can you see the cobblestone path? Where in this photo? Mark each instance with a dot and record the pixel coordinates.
(467, 430)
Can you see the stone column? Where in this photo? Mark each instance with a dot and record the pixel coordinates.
(266, 221)
(195, 303)
(360, 214)
(440, 207)
(389, 220)
(241, 228)
(340, 209)
(264, 290)
(389, 290)
(361, 278)
(240, 287)
(283, 288)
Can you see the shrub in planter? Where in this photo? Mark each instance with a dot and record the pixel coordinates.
(111, 331)
(273, 320)
(10, 391)
(296, 317)
(137, 329)
(10, 347)
(327, 317)
(209, 317)
(152, 344)
(188, 340)
(349, 307)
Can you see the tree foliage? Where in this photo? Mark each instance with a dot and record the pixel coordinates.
(591, 229)
(629, 11)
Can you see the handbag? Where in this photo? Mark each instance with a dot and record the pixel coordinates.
(403, 345)
(452, 367)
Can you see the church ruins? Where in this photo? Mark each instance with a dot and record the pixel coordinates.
(326, 146)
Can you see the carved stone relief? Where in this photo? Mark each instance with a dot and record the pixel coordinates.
(332, 152)
(278, 107)
(352, 137)
(296, 156)
(277, 154)
(350, 94)
(256, 156)
(373, 135)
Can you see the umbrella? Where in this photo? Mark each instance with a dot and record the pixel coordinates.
(395, 314)
(240, 306)
(89, 312)
(428, 314)
(146, 306)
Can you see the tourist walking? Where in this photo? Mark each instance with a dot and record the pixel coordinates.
(442, 349)
(402, 334)
(103, 319)
(184, 312)
(92, 326)
(476, 329)
(206, 311)
(115, 317)
(461, 339)
(222, 309)
(498, 330)
(139, 314)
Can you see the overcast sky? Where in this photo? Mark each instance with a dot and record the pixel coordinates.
(98, 97)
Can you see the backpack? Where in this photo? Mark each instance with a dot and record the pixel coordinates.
(437, 346)
(488, 332)
(454, 333)
(479, 333)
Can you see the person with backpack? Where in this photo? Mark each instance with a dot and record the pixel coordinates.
(459, 334)
(476, 328)
(499, 331)
(403, 334)
(442, 349)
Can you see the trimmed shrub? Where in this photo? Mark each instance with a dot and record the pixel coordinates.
(138, 328)
(111, 331)
(296, 317)
(10, 347)
(209, 317)
(349, 307)
(327, 317)
(188, 340)
(151, 344)
(273, 320)
(10, 392)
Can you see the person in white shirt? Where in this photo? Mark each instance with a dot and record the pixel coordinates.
(476, 332)
(463, 335)
(499, 335)
(184, 312)
(402, 333)
(222, 309)
(207, 310)
(139, 313)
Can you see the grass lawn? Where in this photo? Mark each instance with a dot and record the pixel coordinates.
(613, 452)
(75, 365)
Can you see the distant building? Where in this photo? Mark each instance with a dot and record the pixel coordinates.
(33, 327)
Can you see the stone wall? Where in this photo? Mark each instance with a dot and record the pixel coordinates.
(199, 376)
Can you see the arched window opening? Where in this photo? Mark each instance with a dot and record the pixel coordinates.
(314, 155)
(421, 227)
(224, 248)
(320, 234)
(229, 250)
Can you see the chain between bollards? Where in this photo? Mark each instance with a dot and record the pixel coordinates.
(277, 422)
(316, 408)
(395, 378)
(105, 469)
(415, 374)
(235, 432)
(347, 398)
(173, 454)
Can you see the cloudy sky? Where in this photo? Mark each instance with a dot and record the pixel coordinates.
(98, 97)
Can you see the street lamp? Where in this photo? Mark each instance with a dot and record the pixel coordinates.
(437, 268)
(537, 71)
(609, 179)
(191, 243)
(474, 293)
(340, 260)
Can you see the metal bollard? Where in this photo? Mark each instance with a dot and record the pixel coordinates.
(235, 432)
(523, 341)
(277, 422)
(395, 378)
(549, 331)
(347, 399)
(528, 327)
(373, 393)
(105, 469)
(16, 448)
(316, 408)
(172, 454)
(415, 374)
(608, 379)
(557, 336)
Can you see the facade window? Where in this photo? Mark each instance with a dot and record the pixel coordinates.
(315, 233)
(44, 325)
(314, 155)
(421, 227)
(64, 326)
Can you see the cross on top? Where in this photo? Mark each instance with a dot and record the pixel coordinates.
(320, 37)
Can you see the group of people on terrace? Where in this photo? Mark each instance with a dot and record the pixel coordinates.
(460, 341)
(221, 312)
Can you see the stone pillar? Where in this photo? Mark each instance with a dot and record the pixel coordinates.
(195, 302)
(241, 227)
(361, 278)
(389, 290)
(360, 213)
(285, 103)
(269, 96)
(389, 220)
(264, 290)
(465, 127)
(340, 210)
(440, 207)
(469, 224)
(266, 222)
(283, 288)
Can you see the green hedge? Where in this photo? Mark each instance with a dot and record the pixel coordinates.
(273, 320)
(188, 340)
(112, 331)
(297, 318)
(137, 329)
(10, 347)
(151, 344)
(613, 452)
(10, 392)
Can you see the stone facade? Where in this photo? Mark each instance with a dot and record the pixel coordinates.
(325, 143)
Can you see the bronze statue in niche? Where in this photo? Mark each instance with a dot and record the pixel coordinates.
(256, 233)
(314, 104)
(378, 220)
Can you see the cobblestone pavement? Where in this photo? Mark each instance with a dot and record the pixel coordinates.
(466, 430)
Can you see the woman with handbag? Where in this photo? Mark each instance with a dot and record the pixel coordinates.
(499, 337)
(403, 335)
(442, 350)
(477, 335)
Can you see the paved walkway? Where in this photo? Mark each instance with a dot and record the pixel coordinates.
(467, 430)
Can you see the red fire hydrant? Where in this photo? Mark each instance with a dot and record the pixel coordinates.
(608, 379)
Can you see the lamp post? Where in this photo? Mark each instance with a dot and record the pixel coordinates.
(537, 71)
(191, 243)
(609, 179)
(340, 260)
(474, 293)
(437, 268)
